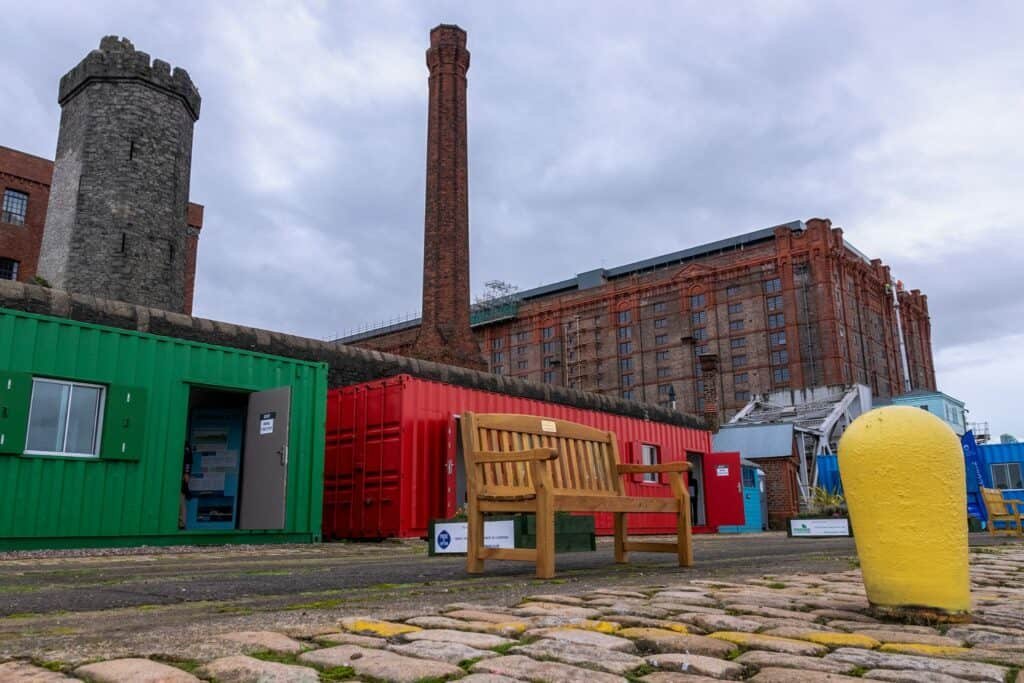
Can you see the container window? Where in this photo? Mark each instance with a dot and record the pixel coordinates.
(1007, 475)
(64, 418)
(650, 456)
(749, 478)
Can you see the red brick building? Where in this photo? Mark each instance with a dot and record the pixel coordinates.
(25, 183)
(790, 306)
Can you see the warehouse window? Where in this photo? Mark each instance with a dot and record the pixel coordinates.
(1007, 475)
(625, 364)
(664, 372)
(497, 343)
(772, 286)
(548, 347)
(661, 339)
(660, 307)
(522, 365)
(777, 338)
(737, 342)
(780, 358)
(499, 369)
(15, 207)
(548, 332)
(522, 336)
(700, 334)
(742, 396)
(64, 418)
(774, 303)
(739, 360)
(628, 395)
(8, 269)
(627, 380)
(661, 322)
(735, 325)
(549, 377)
(650, 456)
(499, 356)
(549, 361)
(740, 378)
(625, 333)
(625, 347)
(700, 349)
(699, 318)
(698, 301)
(777, 320)
(520, 350)
(661, 355)
(732, 290)
(736, 308)
(625, 317)
(781, 375)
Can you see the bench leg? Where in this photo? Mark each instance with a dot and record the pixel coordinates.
(621, 555)
(474, 539)
(684, 547)
(545, 537)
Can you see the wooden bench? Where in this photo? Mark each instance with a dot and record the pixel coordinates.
(521, 463)
(1001, 510)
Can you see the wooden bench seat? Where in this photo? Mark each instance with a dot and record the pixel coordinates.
(1001, 510)
(522, 463)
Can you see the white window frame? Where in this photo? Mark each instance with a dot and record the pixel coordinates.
(99, 418)
(1005, 466)
(650, 454)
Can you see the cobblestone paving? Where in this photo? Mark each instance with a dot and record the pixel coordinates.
(801, 628)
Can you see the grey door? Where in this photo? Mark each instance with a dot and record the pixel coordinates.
(265, 460)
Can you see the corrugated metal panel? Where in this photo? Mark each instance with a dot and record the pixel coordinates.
(756, 441)
(1002, 452)
(76, 501)
(387, 442)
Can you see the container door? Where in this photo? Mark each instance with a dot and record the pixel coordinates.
(265, 460)
(724, 489)
(454, 494)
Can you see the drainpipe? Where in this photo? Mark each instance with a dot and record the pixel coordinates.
(907, 387)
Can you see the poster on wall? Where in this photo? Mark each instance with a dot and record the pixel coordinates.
(819, 528)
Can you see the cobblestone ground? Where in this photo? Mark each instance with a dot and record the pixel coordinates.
(800, 627)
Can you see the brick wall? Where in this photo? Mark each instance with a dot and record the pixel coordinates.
(29, 175)
(781, 490)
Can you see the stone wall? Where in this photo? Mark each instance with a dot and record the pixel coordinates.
(116, 226)
(347, 364)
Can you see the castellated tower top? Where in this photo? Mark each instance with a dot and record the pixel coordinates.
(118, 60)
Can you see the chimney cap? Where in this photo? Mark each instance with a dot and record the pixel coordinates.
(448, 34)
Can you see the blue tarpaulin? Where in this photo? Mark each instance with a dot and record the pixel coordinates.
(828, 473)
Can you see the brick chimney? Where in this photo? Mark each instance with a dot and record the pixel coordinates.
(445, 335)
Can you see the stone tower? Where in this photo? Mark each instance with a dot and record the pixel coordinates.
(445, 335)
(116, 225)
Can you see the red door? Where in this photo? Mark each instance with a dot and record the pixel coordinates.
(723, 486)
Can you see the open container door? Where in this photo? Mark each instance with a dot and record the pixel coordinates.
(265, 460)
(723, 486)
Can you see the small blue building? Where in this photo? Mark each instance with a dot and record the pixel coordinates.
(755, 502)
(943, 406)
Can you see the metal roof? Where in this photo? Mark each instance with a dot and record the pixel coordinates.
(598, 277)
(755, 441)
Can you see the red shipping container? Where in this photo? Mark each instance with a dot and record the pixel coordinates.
(393, 464)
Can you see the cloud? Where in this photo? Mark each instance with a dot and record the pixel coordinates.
(599, 135)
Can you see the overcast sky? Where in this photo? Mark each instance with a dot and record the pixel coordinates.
(599, 134)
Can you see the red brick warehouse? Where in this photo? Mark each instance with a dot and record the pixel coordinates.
(791, 306)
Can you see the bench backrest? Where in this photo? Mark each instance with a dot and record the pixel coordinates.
(994, 502)
(587, 460)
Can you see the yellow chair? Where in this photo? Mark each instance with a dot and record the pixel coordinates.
(1001, 510)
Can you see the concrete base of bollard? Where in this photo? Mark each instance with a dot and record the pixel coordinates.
(919, 616)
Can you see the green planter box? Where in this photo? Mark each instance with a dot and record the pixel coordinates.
(572, 533)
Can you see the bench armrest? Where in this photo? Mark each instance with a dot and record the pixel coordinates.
(1019, 504)
(531, 455)
(664, 467)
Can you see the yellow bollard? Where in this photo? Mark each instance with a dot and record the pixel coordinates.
(903, 474)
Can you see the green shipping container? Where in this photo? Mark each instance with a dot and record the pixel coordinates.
(111, 437)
